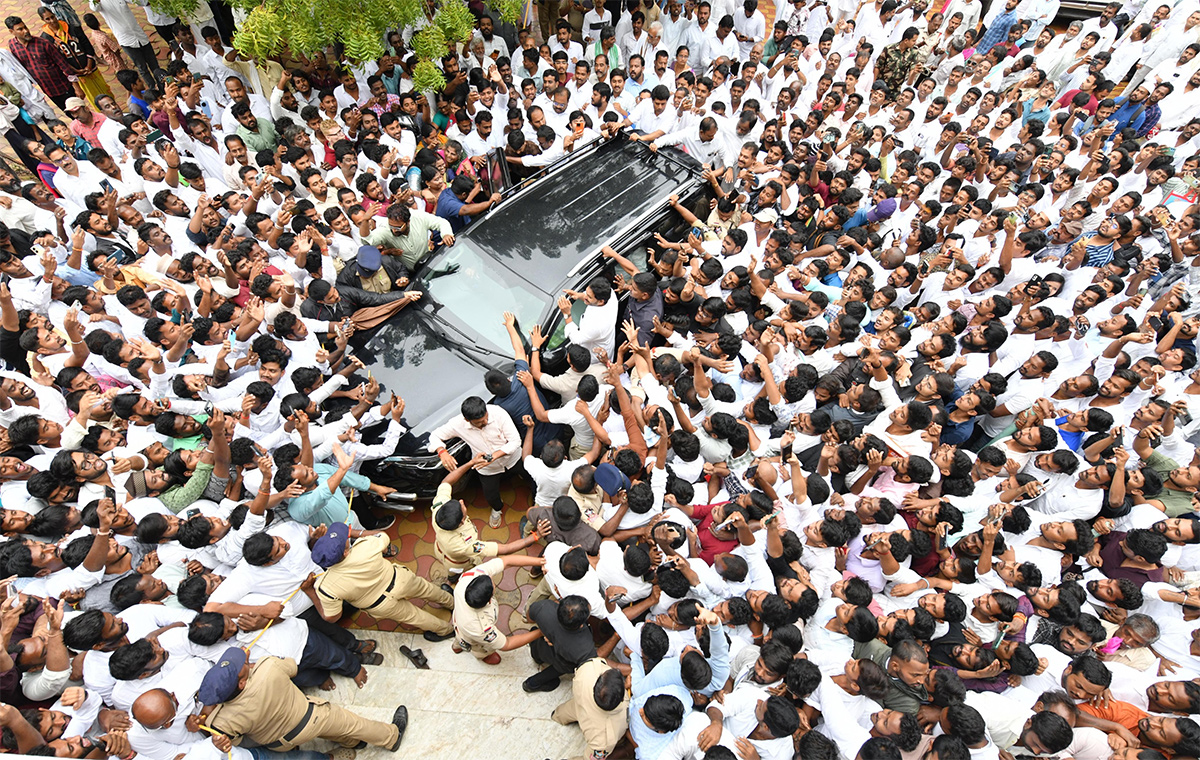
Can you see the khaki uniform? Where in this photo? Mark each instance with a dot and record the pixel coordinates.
(602, 729)
(590, 506)
(273, 712)
(458, 549)
(372, 583)
(476, 629)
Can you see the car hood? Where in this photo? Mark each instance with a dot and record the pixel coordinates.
(410, 357)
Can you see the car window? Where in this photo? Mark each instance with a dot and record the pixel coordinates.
(558, 334)
(474, 290)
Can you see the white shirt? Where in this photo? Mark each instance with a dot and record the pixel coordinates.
(552, 482)
(596, 328)
(499, 434)
(121, 20)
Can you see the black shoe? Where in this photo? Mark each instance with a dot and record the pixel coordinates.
(374, 658)
(436, 637)
(448, 589)
(539, 682)
(400, 719)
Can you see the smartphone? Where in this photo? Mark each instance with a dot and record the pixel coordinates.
(106, 186)
(154, 136)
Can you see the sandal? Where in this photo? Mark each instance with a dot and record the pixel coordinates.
(371, 658)
(416, 657)
(365, 646)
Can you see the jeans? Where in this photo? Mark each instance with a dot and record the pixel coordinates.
(144, 61)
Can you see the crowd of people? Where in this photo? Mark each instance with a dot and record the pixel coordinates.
(888, 454)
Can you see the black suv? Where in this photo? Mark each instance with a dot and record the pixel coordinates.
(544, 237)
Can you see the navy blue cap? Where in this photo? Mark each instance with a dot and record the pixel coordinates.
(612, 480)
(369, 259)
(221, 680)
(329, 549)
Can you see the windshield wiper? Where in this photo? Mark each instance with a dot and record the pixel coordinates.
(467, 343)
(433, 274)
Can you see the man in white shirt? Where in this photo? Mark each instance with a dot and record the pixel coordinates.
(750, 26)
(595, 20)
(597, 324)
(562, 42)
(494, 441)
(129, 34)
(703, 142)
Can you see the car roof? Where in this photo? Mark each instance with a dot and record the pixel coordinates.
(544, 233)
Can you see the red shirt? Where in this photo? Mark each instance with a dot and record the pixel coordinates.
(710, 545)
(1066, 98)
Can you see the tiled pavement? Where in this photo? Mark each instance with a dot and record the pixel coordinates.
(460, 707)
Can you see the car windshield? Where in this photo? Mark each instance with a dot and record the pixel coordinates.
(472, 291)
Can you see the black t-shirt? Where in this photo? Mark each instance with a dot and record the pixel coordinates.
(570, 648)
(11, 352)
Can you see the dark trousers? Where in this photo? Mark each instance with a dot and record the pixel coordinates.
(223, 17)
(17, 137)
(166, 32)
(60, 100)
(322, 655)
(490, 485)
(337, 634)
(144, 61)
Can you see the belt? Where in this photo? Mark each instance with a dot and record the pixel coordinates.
(383, 597)
(296, 730)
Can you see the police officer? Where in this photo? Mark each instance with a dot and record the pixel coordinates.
(599, 705)
(457, 542)
(261, 703)
(358, 572)
(476, 611)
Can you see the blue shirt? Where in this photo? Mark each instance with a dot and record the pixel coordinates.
(141, 105)
(516, 403)
(1072, 440)
(1129, 114)
(668, 671)
(957, 433)
(997, 32)
(320, 506)
(448, 206)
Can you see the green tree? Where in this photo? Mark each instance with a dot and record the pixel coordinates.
(272, 27)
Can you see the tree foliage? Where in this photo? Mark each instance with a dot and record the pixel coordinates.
(306, 26)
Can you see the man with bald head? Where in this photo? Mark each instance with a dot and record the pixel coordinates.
(159, 730)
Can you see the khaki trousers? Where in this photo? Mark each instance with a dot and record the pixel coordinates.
(396, 607)
(339, 725)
